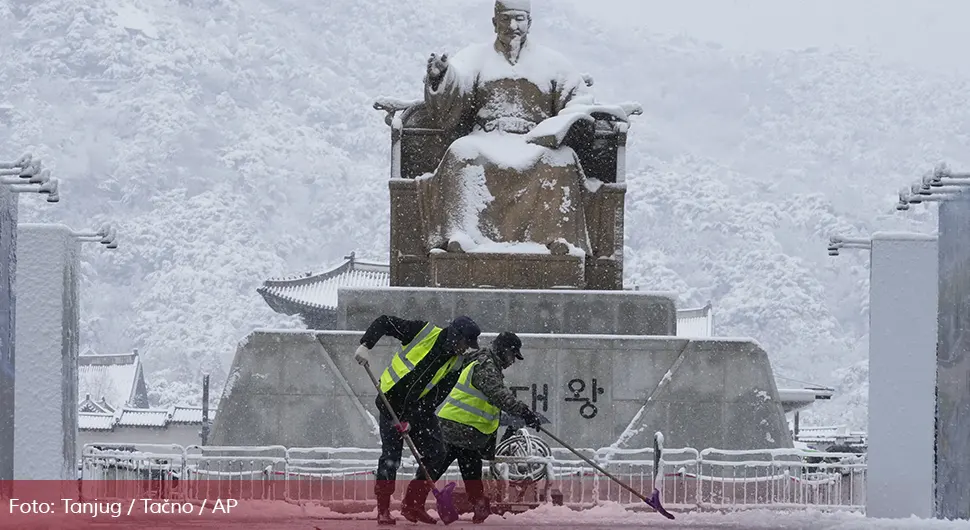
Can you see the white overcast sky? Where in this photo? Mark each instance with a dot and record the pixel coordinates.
(934, 34)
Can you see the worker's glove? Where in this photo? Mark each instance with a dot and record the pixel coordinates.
(403, 427)
(532, 419)
(362, 355)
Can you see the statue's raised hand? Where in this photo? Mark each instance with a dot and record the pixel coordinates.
(437, 66)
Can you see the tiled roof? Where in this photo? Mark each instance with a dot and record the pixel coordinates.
(112, 377)
(89, 405)
(144, 417)
(95, 421)
(190, 414)
(319, 291)
(152, 418)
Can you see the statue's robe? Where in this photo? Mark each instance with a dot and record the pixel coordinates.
(492, 186)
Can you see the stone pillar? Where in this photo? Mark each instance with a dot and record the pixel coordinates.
(953, 363)
(47, 330)
(8, 268)
(902, 375)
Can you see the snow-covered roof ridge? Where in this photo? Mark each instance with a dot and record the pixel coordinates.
(95, 421)
(347, 263)
(189, 414)
(309, 277)
(89, 405)
(138, 417)
(319, 291)
(143, 417)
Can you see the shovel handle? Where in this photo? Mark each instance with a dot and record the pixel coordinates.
(407, 437)
(595, 466)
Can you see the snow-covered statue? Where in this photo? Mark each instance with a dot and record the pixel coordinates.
(506, 173)
(510, 179)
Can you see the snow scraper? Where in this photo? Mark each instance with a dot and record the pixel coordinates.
(654, 500)
(444, 500)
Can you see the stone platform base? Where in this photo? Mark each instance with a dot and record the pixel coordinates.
(507, 271)
(303, 389)
(521, 311)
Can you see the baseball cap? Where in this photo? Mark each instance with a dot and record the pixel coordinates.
(468, 329)
(507, 341)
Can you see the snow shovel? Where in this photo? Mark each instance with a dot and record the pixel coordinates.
(444, 503)
(653, 501)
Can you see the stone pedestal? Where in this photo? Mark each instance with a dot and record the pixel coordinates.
(47, 332)
(603, 366)
(953, 363)
(520, 311)
(293, 388)
(507, 271)
(8, 268)
(902, 375)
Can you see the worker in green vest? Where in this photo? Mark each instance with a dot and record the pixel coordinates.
(419, 378)
(470, 420)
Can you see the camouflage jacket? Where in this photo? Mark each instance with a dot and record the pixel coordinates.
(487, 377)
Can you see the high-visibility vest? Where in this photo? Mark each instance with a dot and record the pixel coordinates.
(410, 355)
(468, 406)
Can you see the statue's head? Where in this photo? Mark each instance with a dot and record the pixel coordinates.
(512, 21)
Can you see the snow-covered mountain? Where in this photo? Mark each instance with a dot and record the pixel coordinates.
(233, 140)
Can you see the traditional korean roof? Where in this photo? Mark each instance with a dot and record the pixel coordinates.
(182, 414)
(95, 421)
(146, 418)
(143, 417)
(105, 405)
(298, 294)
(112, 381)
(89, 405)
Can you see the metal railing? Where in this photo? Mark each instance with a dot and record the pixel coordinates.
(343, 478)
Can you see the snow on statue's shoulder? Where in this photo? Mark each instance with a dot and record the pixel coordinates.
(536, 63)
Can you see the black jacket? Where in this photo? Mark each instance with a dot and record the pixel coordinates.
(404, 396)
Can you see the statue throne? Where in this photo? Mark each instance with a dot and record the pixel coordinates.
(417, 147)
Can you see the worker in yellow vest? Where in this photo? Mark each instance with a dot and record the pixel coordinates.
(470, 421)
(421, 375)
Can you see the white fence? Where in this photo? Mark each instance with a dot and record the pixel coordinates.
(343, 478)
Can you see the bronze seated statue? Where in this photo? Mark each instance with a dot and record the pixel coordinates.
(507, 174)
